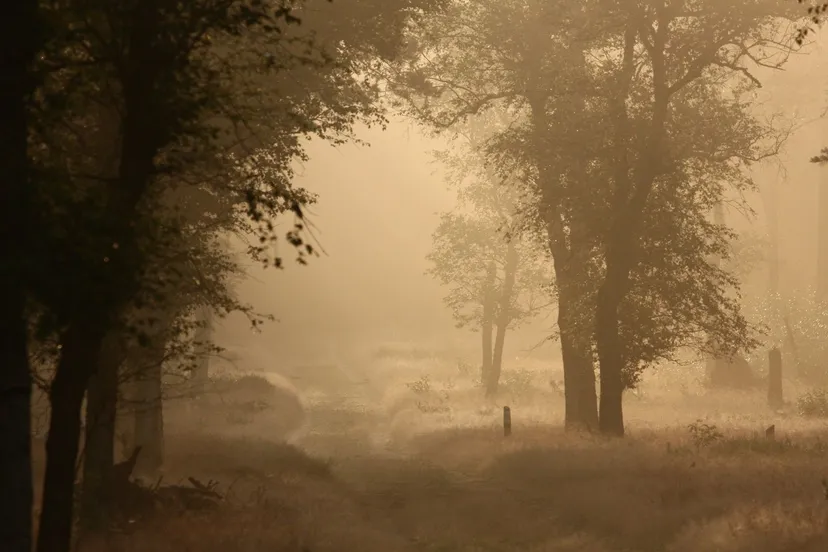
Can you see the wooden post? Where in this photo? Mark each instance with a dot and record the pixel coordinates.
(507, 421)
(775, 397)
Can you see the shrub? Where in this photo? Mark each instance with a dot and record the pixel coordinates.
(813, 404)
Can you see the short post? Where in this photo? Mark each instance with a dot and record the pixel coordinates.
(770, 433)
(775, 397)
(507, 421)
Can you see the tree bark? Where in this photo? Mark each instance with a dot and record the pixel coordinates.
(488, 323)
(81, 345)
(99, 442)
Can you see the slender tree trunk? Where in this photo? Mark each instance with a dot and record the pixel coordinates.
(504, 316)
(822, 236)
(203, 337)
(718, 367)
(81, 345)
(493, 381)
(149, 416)
(19, 42)
(99, 442)
(488, 323)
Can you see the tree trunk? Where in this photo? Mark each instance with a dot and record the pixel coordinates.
(15, 425)
(81, 345)
(149, 420)
(775, 397)
(581, 400)
(610, 413)
(19, 41)
(504, 317)
(203, 337)
(567, 256)
(718, 367)
(99, 442)
(487, 323)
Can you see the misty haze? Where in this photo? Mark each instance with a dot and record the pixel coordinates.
(414, 275)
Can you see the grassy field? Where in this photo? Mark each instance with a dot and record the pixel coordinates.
(426, 468)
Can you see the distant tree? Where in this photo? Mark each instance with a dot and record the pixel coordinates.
(498, 274)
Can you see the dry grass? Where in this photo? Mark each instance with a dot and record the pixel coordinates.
(397, 477)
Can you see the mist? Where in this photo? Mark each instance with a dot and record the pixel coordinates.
(414, 275)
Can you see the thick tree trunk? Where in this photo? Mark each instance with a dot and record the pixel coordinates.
(487, 324)
(581, 400)
(81, 346)
(19, 42)
(149, 418)
(15, 426)
(99, 442)
(610, 413)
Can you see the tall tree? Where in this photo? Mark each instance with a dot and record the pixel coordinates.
(175, 84)
(685, 50)
(20, 35)
(587, 131)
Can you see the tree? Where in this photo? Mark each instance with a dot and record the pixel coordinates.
(719, 37)
(20, 36)
(498, 277)
(587, 131)
(478, 56)
(154, 81)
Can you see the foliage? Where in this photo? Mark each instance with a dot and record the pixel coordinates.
(538, 65)
(813, 404)
(704, 434)
(491, 218)
(796, 323)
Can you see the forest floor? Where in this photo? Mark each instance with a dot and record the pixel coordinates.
(440, 476)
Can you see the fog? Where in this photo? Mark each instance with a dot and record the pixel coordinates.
(573, 298)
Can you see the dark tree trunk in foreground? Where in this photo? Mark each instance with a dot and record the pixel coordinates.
(488, 323)
(99, 442)
(79, 355)
(18, 45)
(503, 318)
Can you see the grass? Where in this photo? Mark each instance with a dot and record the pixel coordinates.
(695, 474)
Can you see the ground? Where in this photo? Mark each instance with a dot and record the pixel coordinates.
(424, 466)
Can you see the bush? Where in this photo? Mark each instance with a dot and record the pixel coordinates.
(813, 404)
